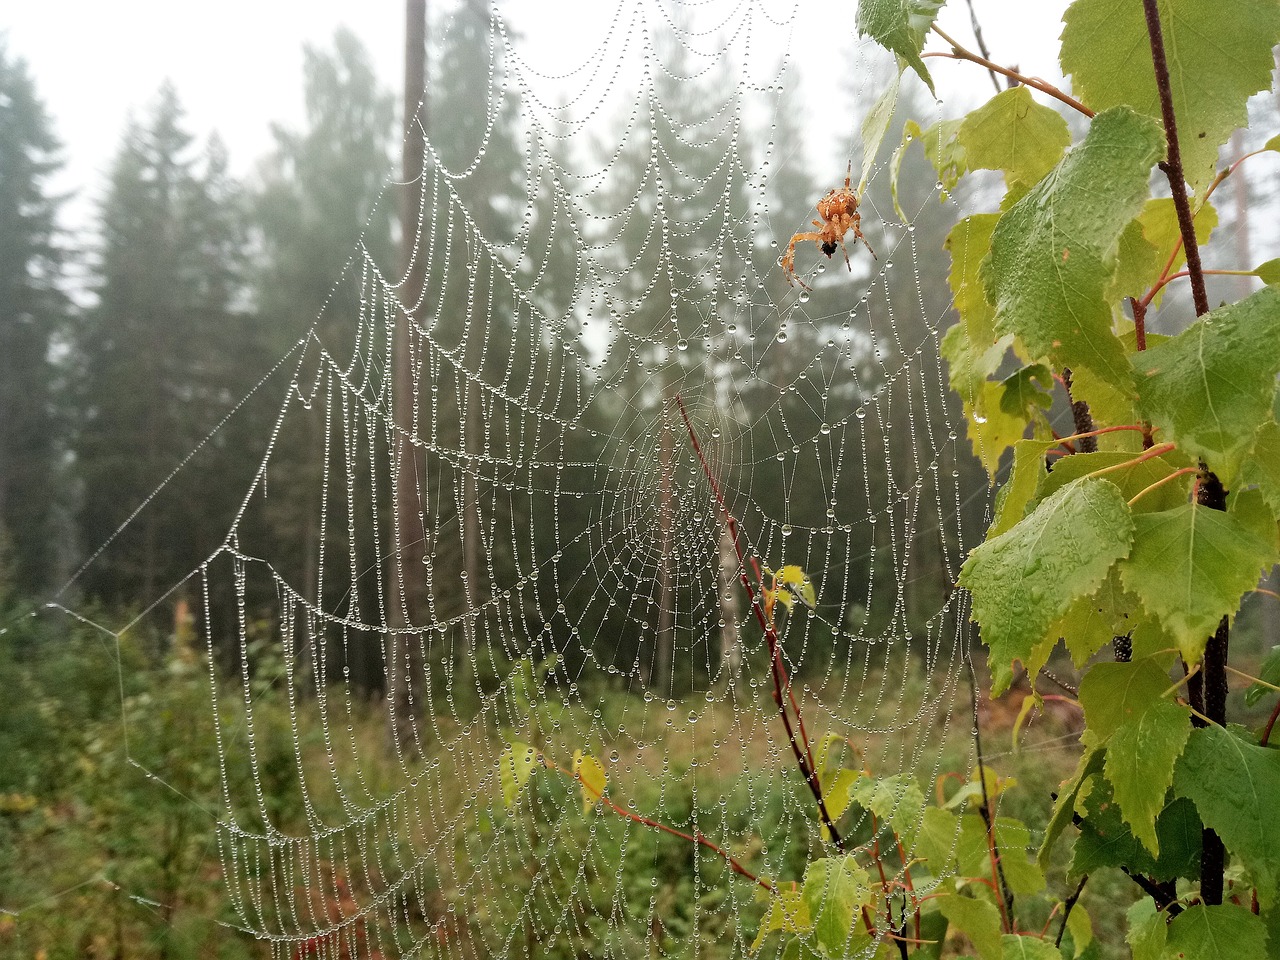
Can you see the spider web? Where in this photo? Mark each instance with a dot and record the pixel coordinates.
(565, 576)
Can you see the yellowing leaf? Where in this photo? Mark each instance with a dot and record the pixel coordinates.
(788, 912)
(515, 766)
(590, 773)
(1016, 135)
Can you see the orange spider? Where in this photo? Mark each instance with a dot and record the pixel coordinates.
(838, 214)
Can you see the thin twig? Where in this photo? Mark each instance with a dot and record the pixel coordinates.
(1172, 166)
(1266, 733)
(782, 692)
(697, 838)
(960, 53)
(982, 44)
(1066, 910)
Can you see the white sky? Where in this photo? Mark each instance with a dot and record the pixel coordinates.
(237, 64)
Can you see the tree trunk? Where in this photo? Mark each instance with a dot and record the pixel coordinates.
(408, 531)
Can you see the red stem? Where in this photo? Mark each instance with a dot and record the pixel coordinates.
(1173, 165)
(782, 692)
(1266, 734)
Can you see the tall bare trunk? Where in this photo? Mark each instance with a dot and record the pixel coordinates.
(409, 535)
(664, 642)
(471, 442)
(730, 586)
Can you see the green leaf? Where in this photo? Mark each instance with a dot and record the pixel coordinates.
(1223, 932)
(1160, 225)
(875, 125)
(1053, 253)
(1013, 839)
(1132, 478)
(1064, 808)
(1262, 466)
(1190, 566)
(835, 891)
(1269, 272)
(968, 243)
(1143, 256)
(1269, 672)
(991, 431)
(1080, 926)
(896, 801)
(946, 154)
(1028, 948)
(1236, 789)
(835, 794)
(936, 842)
(979, 920)
(900, 26)
(1105, 840)
(591, 775)
(1025, 579)
(515, 766)
(941, 149)
(1014, 134)
(1027, 392)
(1126, 710)
(1147, 930)
(1216, 62)
(1209, 389)
(1092, 622)
(1018, 491)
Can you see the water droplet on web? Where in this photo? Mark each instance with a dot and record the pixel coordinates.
(860, 413)
(715, 434)
(782, 334)
(825, 428)
(786, 530)
(682, 344)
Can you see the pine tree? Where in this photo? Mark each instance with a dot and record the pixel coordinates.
(162, 356)
(318, 213)
(32, 310)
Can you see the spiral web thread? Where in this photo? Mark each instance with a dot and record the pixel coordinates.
(570, 582)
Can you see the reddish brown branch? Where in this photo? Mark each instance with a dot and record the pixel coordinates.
(960, 53)
(782, 692)
(1172, 166)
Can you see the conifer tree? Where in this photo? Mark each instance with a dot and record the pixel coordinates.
(162, 356)
(32, 310)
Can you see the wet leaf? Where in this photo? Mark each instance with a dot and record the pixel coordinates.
(1053, 253)
(1223, 932)
(1014, 134)
(1236, 789)
(900, 26)
(1025, 579)
(1217, 60)
(1190, 567)
(1210, 388)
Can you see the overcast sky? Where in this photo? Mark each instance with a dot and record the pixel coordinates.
(237, 64)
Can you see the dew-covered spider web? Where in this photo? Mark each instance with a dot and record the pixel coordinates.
(520, 546)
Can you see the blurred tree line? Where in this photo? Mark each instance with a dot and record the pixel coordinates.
(199, 283)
